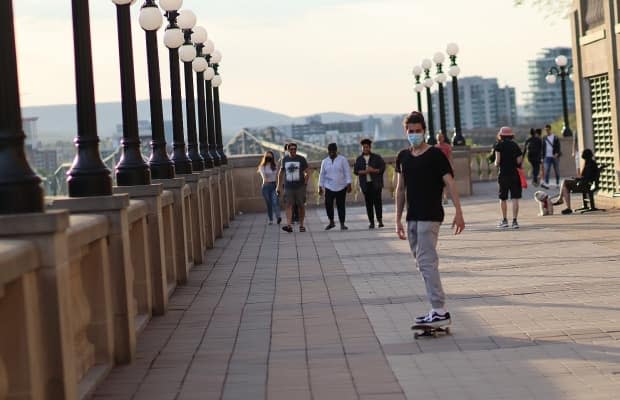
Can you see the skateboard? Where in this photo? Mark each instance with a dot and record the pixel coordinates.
(426, 330)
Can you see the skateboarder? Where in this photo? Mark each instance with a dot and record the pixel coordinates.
(422, 173)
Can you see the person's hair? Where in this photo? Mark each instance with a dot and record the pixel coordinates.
(366, 141)
(292, 144)
(547, 126)
(442, 134)
(532, 132)
(414, 117)
(587, 154)
(263, 161)
(538, 131)
(332, 147)
(285, 146)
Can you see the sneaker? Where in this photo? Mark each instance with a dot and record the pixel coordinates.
(381, 224)
(287, 228)
(434, 319)
(330, 226)
(279, 220)
(536, 184)
(544, 186)
(503, 224)
(567, 211)
(515, 224)
(371, 226)
(343, 227)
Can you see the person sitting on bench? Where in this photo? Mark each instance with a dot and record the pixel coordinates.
(581, 184)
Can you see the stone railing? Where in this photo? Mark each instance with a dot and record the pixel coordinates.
(80, 282)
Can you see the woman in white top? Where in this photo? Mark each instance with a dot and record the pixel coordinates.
(269, 172)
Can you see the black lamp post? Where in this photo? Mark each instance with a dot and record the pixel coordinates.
(131, 170)
(417, 72)
(20, 187)
(216, 58)
(452, 49)
(159, 162)
(441, 78)
(201, 65)
(428, 83)
(209, 75)
(564, 70)
(173, 39)
(88, 175)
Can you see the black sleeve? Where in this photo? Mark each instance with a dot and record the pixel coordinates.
(518, 151)
(304, 164)
(381, 164)
(590, 171)
(356, 166)
(399, 161)
(442, 166)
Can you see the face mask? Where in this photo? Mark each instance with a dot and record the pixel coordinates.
(268, 158)
(415, 139)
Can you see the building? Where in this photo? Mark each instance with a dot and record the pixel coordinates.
(317, 132)
(29, 125)
(543, 102)
(597, 79)
(483, 104)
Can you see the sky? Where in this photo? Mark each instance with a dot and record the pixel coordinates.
(296, 57)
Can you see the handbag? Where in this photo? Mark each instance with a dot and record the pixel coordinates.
(522, 178)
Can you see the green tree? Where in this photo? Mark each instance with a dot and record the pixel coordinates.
(551, 8)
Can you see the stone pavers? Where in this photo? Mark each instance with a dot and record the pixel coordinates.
(322, 315)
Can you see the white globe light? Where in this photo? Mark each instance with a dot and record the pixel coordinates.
(419, 87)
(200, 35)
(561, 61)
(150, 18)
(551, 79)
(441, 78)
(428, 82)
(173, 38)
(209, 74)
(186, 19)
(217, 81)
(427, 64)
(200, 64)
(439, 58)
(571, 77)
(216, 57)
(123, 2)
(454, 70)
(209, 47)
(187, 53)
(170, 5)
(452, 49)
(417, 70)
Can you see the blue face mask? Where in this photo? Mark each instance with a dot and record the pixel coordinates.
(415, 139)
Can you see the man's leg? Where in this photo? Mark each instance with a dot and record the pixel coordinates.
(302, 215)
(329, 205)
(556, 168)
(547, 165)
(423, 242)
(368, 199)
(379, 207)
(504, 207)
(289, 214)
(341, 198)
(515, 209)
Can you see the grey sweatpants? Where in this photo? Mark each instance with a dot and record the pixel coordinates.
(423, 242)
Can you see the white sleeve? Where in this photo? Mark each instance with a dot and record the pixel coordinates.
(347, 170)
(322, 173)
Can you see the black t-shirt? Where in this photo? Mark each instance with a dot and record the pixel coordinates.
(423, 177)
(294, 168)
(509, 151)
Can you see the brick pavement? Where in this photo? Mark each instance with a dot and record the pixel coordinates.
(326, 315)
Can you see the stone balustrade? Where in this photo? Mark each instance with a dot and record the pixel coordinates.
(79, 282)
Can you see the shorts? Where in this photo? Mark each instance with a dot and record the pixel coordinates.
(295, 196)
(509, 184)
(576, 186)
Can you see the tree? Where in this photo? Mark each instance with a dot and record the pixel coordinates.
(551, 8)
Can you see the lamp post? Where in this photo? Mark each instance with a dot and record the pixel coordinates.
(187, 54)
(417, 72)
(131, 169)
(20, 187)
(216, 58)
(208, 49)
(428, 84)
(441, 78)
(564, 70)
(159, 162)
(453, 49)
(88, 175)
(173, 39)
(200, 65)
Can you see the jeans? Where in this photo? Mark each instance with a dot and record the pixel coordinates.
(372, 197)
(549, 161)
(271, 199)
(423, 243)
(535, 162)
(340, 198)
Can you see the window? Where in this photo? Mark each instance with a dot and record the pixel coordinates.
(593, 14)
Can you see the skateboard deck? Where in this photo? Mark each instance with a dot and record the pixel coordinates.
(426, 330)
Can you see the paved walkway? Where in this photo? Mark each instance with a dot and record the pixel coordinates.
(326, 315)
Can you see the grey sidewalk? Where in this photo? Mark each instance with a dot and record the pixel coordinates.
(321, 315)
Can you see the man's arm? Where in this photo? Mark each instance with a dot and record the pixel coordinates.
(458, 224)
(347, 174)
(280, 180)
(400, 205)
(497, 158)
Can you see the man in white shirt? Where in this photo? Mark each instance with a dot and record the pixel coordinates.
(551, 157)
(335, 180)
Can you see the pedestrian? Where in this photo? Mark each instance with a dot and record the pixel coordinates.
(292, 181)
(533, 150)
(295, 208)
(551, 153)
(446, 149)
(422, 172)
(269, 172)
(580, 184)
(508, 158)
(369, 167)
(335, 181)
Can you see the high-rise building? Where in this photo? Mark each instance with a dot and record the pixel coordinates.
(483, 104)
(543, 101)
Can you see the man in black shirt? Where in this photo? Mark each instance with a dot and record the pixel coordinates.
(533, 150)
(422, 173)
(369, 167)
(508, 158)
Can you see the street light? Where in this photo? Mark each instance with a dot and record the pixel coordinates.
(173, 39)
(187, 54)
(131, 169)
(428, 84)
(417, 72)
(441, 78)
(216, 58)
(564, 70)
(453, 49)
(200, 65)
(209, 74)
(151, 20)
(20, 187)
(88, 175)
